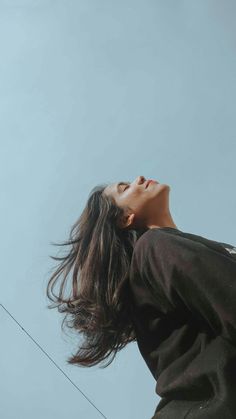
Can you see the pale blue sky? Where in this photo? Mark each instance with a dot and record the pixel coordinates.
(91, 92)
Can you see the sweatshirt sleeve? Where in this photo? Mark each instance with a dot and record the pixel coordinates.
(193, 277)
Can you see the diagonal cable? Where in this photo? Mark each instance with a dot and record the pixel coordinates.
(52, 360)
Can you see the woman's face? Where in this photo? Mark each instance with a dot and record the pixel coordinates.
(144, 204)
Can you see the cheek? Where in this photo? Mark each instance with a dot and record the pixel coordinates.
(140, 200)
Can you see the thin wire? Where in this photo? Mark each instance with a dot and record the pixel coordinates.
(52, 360)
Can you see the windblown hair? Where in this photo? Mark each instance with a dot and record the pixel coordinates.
(98, 259)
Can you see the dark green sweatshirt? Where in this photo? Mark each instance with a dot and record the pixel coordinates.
(183, 305)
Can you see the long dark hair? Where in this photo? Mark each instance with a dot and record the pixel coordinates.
(99, 258)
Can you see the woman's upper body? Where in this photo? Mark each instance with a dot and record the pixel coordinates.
(183, 304)
(181, 285)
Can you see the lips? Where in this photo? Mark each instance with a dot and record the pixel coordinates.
(149, 181)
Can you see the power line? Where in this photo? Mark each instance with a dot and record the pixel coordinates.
(52, 360)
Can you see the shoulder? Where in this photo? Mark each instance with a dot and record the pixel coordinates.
(154, 238)
(164, 242)
(157, 235)
(150, 236)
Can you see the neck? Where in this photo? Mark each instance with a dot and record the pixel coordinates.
(167, 222)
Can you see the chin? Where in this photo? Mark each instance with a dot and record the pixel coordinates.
(164, 186)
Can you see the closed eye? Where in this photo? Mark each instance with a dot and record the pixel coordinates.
(127, 185)
(122, 183)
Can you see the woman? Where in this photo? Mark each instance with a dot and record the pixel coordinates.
(137, 277)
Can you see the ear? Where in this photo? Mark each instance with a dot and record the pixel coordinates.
(130, 219)
(127, 220)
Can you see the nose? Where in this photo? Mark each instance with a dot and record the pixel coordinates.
(141, 179)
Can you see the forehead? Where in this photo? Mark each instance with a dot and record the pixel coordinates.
(111, 188)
